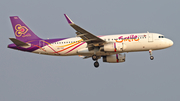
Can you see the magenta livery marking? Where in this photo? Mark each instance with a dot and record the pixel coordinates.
(20, 30)
(114, 47)
(52, 49)
(129, 38)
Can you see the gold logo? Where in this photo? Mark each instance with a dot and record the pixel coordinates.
(20, 30)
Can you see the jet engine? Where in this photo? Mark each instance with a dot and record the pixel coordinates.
(113, 47)
(116, 58)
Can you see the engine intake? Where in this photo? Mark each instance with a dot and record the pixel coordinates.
(116, 58)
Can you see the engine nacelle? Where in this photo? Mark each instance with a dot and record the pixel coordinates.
(116, 58)
(114, 47)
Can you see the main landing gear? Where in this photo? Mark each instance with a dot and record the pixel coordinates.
(151, 57)
(95, 58)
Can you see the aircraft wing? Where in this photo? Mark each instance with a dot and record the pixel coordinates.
(89, 38)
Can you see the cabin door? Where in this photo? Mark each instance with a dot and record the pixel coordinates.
(150, 37)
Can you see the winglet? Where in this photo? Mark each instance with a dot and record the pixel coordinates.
(68, 19)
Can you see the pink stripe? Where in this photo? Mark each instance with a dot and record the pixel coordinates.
(76, 47)
(53, 49)
(115, 47)
(117, 59)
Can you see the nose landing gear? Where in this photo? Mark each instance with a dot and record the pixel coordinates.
(151, 57)
(96, 64)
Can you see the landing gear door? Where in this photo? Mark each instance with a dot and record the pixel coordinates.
(150, 37)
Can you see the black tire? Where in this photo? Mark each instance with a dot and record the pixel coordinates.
(152, 57)
(94, 57)
(96, 64)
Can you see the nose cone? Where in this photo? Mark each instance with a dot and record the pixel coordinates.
(170, 43)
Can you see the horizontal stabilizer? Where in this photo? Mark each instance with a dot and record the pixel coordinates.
(18, 42)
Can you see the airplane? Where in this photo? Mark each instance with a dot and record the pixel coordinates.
(111, 48)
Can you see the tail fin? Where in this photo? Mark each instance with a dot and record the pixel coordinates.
(21, 31)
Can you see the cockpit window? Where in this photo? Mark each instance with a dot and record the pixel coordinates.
(161, 37)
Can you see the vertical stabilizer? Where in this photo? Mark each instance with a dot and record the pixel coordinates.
(21, 31)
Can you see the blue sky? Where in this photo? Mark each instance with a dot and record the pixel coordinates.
(26, 76)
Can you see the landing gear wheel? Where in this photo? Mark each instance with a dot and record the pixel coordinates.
(96, 64)
(151, 57)
(94, 57)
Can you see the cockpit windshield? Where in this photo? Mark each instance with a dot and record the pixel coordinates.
(161, 37)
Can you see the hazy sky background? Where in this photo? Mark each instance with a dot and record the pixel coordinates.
(32, 77)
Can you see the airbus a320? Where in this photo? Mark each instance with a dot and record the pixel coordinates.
(111, 48)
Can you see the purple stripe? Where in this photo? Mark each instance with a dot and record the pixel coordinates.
(114, 45)
(69, 21)
(117, 57)
(53, 49)
(35, 44)
(76, 47)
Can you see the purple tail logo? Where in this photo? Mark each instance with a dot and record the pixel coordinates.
(21, 30)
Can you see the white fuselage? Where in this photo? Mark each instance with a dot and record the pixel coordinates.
(133, 42)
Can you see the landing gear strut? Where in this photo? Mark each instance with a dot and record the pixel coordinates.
(95, 58)
(151, 57)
